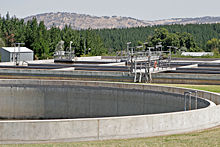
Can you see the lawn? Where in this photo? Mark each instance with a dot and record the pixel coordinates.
(204, 138)
(211, 88)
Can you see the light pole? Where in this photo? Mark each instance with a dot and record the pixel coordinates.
(121, 53)
(149, 79)
(84, 47)
(127, 52)
(128, 44)
(18, 54)
(71, 46)
(89, 50)
(70, 51)
(145, 44)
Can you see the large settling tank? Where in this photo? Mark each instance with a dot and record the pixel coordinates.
(52, 100)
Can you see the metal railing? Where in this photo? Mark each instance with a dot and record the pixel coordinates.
(189, 95)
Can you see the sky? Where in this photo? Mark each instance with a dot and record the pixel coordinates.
(140, 9)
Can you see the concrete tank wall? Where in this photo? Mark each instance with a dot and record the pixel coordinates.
(109, 127)
(56, 101)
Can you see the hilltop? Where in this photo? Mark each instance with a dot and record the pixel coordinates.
(83, 21)
(197, 20)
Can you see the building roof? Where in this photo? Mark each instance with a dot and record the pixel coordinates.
(15, 49)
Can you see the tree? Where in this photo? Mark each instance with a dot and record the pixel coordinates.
(2, 43)
(187, 40)
(172, 40)
(55, 37)
(213, 45)
(160, 35)
(10, 40)
(41, 42)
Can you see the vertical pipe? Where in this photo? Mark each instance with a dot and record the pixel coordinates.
(196, 103)
(84, 47)
(127, 53)
(170, 56)
(149, 60)
(70, 51)
(135, 71)
(127, 49)
(132, 51)
(140, 73)
(185, 95)
(14, 56)
(121, 54)
(145, 72)
(190, 101)
(74, 52)
(18, 54)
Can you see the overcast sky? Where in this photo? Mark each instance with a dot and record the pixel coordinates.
(141, 9)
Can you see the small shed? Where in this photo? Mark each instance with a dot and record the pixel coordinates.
(12, 54)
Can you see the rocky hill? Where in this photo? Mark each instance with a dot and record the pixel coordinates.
(197, 20)
(82, 21)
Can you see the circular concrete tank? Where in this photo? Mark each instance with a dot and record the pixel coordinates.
(72, 101)
(77, 110)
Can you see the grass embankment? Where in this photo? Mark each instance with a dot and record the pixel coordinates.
(211, 88)
(205, 138)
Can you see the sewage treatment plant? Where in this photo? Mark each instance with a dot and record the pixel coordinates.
(97, 98)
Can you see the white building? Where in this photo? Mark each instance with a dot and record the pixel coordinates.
(11, 54)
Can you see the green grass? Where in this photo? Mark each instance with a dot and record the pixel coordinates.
(205, 138)
(211, 88)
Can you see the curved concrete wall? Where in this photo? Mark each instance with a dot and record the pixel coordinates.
(109, 127)
(41, 101)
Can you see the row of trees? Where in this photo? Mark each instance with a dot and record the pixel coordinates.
(184, 41)
(43, 41)
(196, 35)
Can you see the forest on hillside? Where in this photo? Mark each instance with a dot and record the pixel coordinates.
(43, 41)
(200, 34)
